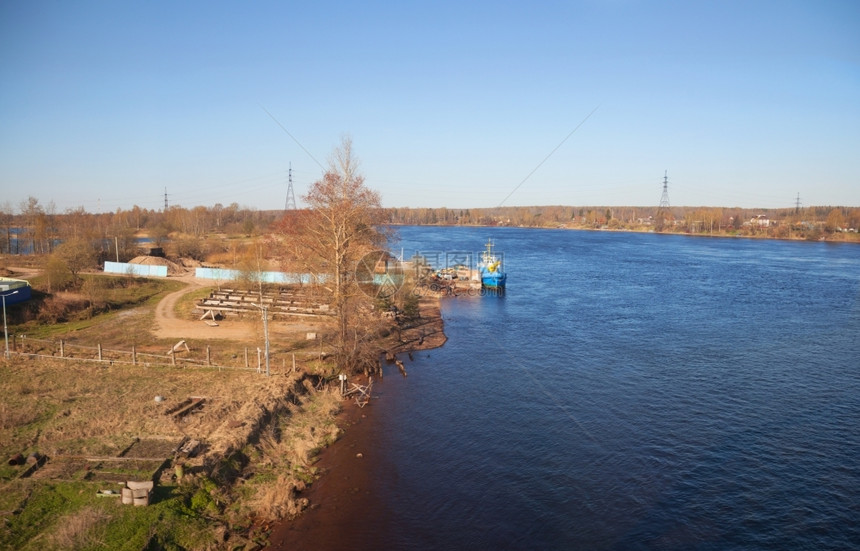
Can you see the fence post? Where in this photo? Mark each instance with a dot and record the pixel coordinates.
(294, 363)
(133, 355)
(173, 357)
(246, 356)
(259, 364)
(100, 351)
(208, 356)
(62, 349)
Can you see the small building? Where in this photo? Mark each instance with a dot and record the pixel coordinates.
(760, 220)
(14, 290)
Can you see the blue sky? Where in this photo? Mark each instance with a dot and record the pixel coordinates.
(105, 104)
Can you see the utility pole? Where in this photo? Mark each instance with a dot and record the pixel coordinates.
(291, 197)
(664, 199)
(5, 328)
(663, 209)
(265, 310)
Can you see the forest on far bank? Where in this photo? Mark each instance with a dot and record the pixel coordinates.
(35, 228)
(814, 223)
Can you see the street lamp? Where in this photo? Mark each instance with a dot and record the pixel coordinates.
(5, 330)
(265, 310)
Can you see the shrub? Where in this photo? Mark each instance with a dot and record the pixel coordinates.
(54, 309)
(57, 274)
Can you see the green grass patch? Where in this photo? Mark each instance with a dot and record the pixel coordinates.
(99, 302)
(71, 515)
(187, 303)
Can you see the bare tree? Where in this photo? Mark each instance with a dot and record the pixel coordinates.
(8, 218)
(329, 238)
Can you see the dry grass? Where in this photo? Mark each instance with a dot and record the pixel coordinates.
(77, 408)
(290, 449)
(79, 530)
(70, 410)
(278, 500)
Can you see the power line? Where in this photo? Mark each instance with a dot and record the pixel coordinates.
(561, 143)
(293, 137)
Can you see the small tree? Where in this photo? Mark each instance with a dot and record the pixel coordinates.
(57, 273)
(190, 246)
(78, 255)
(835, 221)
(159, 235)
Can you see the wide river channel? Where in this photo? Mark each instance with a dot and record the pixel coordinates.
(629, 391)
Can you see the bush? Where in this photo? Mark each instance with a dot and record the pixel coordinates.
(54, 310)
(57, 274)
(191, 247)
(411, 306)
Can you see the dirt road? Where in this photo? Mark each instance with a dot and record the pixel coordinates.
(168, 325)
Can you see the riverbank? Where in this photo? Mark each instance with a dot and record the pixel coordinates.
(769, 233)
(344, 487)
(257, 438)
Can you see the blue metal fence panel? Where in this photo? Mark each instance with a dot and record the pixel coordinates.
(223, 274)
(144, 270)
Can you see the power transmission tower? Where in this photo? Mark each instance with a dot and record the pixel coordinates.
(165, 199)
(797, 204)
(291, 197)
(664, 199)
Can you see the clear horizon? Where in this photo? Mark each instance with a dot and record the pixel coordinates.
(105, 105)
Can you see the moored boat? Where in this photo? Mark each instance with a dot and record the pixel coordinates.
(490, 268)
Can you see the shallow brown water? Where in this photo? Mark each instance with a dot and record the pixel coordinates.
(341, 498)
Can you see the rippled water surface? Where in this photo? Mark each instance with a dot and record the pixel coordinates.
(630, 391)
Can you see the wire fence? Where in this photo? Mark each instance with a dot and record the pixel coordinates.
(180, 355)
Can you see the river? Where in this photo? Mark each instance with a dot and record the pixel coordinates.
(629, 391)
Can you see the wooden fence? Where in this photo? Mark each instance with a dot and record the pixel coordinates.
(180, 355)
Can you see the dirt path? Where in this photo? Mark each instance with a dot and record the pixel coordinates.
(168, 325)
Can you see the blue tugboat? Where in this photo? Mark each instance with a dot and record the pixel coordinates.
(490, 268)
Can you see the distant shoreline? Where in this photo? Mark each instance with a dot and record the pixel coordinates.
(723, 235)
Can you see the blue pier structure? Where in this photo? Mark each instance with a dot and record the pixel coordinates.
(14, 290)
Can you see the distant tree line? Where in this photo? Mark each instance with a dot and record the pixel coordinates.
(835, 223)
(34, 228)
(198, 232)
